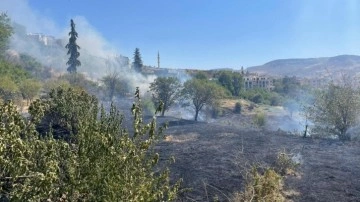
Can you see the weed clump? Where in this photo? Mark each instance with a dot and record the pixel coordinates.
(262, 185)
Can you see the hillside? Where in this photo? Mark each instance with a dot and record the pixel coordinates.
(311, 67)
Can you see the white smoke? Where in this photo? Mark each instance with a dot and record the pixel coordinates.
(97, 55)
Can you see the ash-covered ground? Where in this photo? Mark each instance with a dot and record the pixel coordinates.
(211, 158)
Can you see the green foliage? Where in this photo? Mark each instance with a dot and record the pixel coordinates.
(166, 90)
(33, 67)
(287, 86)
(276, 100)
(216, 111)
(201, 75)
(232, 81)
(114, 85)
(137, 63)
(148, 106)
(105, 163)
(264, 186)
(29, 89)
(335, 110)
(260, 96)
(5, 32)
(73, 48)
(237, 108)
(257, 98)
(259, 119)
(202, 92)
(8, 88)
(78, 80)
(284, 164)
(15, 72)
(64, 112)
(55, 83)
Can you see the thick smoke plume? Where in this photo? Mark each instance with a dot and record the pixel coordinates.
(41, 38)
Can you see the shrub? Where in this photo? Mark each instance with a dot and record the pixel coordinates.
(284, 164)
(259, 119)
(64, 112)
(216, 111)
(237, 108)
(105, 163)
(257, 98)
(276, 100)
(262, 186)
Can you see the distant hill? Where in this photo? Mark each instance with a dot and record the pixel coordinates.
(311, 67)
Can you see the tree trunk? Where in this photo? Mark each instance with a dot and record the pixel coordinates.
(196, 114)
(163, 112)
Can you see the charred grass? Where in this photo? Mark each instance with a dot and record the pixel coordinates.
(213, 159)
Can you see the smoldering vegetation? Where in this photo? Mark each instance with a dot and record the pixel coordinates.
(213, 155)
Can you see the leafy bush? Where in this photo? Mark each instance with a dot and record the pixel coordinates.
(262, 186)
(284, 164)
(105, 163)
(64, 112)
(259, 119)
(258, 98)
(237, 108)
(276, 100)
(216, 111)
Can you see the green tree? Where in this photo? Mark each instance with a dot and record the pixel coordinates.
(73, 48)
(232, 81)
(5, 32)
(335, 110)
(202, 93)
(166, 90)
(137, 63)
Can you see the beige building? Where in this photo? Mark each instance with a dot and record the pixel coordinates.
(256, 81)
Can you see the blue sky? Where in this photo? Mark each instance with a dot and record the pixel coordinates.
(205, 34)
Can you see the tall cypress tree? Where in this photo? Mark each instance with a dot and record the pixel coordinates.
(137, 64)
(73, 61)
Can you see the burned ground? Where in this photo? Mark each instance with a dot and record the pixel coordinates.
(212, 158)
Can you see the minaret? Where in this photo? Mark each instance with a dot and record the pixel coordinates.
(158, 59)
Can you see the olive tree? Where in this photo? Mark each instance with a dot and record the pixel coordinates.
(166, 90)
(335, 110)
(202, 92)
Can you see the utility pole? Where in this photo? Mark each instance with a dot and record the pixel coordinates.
(158, 59)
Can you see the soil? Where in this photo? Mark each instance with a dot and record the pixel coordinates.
(212, 158)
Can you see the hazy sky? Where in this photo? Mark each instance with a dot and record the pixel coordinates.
(203, 34)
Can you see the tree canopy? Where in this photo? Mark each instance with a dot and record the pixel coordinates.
(137, 63)
(232, 81)
(201, 93)
(166, 90)
(335, 110)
